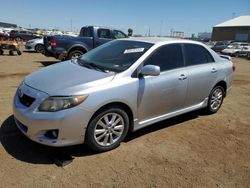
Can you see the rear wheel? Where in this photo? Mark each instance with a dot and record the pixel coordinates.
(19, 52)
(39, 48)
(75, 54)
(215, 99)
(248, 55)
(107, 129)
(11, 52)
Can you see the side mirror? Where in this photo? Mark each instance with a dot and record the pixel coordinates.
(150, 70)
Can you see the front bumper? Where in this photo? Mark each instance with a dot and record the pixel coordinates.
(70, 123)
(29, 47)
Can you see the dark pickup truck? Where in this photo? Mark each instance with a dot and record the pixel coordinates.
(67, 47)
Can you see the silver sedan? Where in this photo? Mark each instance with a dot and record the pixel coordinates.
(122, 85)
(35, 45)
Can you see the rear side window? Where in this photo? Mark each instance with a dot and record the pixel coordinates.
(196, 55)
(104, 33)
(14, 31)
(167, 57)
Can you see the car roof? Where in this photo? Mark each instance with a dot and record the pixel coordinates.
(158, 40)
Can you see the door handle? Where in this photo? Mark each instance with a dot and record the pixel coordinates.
(213, 70)
(182, 77)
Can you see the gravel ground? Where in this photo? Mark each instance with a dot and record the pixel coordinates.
(192, 150)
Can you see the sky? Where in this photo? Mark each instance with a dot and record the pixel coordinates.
(157, 16)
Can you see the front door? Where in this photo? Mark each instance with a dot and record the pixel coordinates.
(166, 93)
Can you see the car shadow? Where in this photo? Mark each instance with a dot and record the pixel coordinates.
(163, 124)
(30, 52)
(22, 148)
(47, 63)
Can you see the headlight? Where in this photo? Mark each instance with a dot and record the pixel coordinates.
(53, 104)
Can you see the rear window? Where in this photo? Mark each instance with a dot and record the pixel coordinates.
(196, 54)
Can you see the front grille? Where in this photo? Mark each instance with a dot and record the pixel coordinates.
(26, 100)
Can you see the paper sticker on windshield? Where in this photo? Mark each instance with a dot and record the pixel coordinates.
(134, 50)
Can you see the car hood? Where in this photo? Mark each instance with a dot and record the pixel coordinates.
(37, 40)
(67, 78)
(230, 50)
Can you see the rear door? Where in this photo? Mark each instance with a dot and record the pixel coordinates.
(202, 73)
(159, 95)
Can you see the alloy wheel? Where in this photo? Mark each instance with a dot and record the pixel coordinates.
(216, 99)
(109, 129)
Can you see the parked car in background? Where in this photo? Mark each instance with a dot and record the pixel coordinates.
(237, 49)
(68, 47)
(122, 85)
(22, 35)
(35, 45)
(220, 45)
(3, 35)
(248, 55)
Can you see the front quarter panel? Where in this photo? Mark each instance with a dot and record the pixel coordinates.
(123, 90)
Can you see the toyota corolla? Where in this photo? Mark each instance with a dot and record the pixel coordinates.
(122, 85)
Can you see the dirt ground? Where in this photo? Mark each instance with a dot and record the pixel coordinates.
(192, 150)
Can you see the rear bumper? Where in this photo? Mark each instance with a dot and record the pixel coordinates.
(57, 53)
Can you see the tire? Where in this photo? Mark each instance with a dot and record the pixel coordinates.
(1, 52)
(215, 99)
(248, 56)
(39, 48)
(17, 39)
(75, 54)
(19, 52)
(100, 129)
(11, 52)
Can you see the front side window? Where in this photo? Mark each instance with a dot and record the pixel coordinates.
(167, 57)
(104, 33)
(196, 55)
(119, 34)
(115, 56)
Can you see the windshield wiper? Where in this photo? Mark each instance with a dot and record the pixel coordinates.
(93, 65)
(90, 65)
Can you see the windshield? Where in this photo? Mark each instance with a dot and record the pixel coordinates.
(115, 56)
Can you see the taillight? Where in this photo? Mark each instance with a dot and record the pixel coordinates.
(234, 67)
(52, 43)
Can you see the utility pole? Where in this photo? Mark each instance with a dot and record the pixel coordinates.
(160, 28)
(71, 24)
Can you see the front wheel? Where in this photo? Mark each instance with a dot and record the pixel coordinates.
(107, 129)
(215, 99)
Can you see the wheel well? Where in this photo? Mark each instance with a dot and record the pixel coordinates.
(223, 85)
(77, 48)
(38, 45)
(121, 105)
